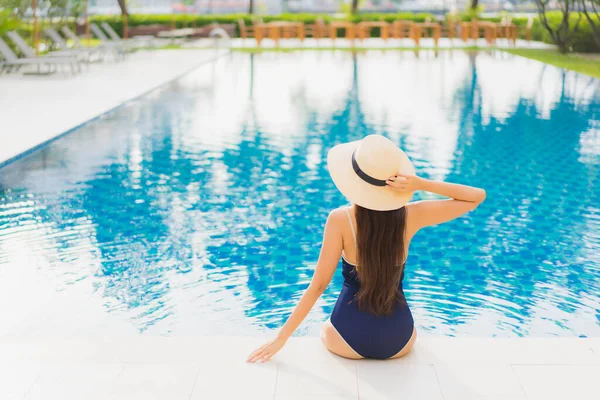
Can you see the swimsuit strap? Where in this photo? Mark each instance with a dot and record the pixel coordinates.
(351, 226)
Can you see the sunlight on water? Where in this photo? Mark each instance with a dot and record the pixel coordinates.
(199, 208)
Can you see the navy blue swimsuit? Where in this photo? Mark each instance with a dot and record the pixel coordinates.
(371, 336)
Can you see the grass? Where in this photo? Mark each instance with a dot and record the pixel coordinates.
(87, 43)
(588, 64)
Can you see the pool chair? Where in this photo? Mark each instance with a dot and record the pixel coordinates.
(82, 53)
(317, 30)
(28, 52)
(11, 61)
(246, 32)
(107, 43)
(101, 50)
(136, 42)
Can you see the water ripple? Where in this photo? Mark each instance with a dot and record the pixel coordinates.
(199, 209)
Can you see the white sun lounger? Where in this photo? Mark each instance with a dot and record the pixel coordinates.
(105, 40)
(70, 35)
(61, 43)
(28, 52)
(12, 61)
(100, 49)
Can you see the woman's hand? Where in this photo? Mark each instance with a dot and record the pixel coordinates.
(404, 183)
(266, 351)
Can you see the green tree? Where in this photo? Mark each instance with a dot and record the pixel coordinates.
(18, 7)
(591, 10)
(123, 7)
(561, 30)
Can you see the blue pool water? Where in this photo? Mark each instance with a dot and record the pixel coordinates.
(199, 208)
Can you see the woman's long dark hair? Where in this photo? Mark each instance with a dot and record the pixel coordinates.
(380, 254)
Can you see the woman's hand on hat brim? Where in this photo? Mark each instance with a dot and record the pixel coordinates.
(403, 183)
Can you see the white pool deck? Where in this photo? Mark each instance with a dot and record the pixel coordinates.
(183, 368)
(39, 359)
(34, 108)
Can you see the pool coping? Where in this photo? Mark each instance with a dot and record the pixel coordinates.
(201, 367)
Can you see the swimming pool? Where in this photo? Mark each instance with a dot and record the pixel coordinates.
(199, 208)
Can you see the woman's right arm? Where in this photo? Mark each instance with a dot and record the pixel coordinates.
(462, 199)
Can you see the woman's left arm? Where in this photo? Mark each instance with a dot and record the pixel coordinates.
(329, 258)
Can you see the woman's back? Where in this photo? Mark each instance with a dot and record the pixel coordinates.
(371, 335)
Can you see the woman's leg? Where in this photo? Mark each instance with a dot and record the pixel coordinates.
(408, 346)
(335, 343)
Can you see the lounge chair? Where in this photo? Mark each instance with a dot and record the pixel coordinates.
(83, 53)
(317, 30)
(137, 41)
(71, 36)
(28, 52)
(12, 61)
(106, 42)
(77, 44)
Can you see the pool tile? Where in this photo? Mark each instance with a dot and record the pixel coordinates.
(17, 379)
(165, 199)
(394, 379)
(493, 351)
(74, 381)
(252, 381)
(299, 397)
(560, 382)
(307, 368)
(475, 381)
(155, 381)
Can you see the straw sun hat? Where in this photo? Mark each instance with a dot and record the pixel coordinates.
(359, 170)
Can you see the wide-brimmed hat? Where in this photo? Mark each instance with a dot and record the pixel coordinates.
(359, 170)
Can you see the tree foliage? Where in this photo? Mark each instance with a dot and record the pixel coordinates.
(562, 33)
(46, 8)
(591, 10)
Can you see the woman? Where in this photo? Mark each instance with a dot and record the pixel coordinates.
(371, 318)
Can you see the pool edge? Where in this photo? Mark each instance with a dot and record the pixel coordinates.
(45, 143)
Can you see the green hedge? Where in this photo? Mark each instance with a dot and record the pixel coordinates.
(583, 40)
(200, 20)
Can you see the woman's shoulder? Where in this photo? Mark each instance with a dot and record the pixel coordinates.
(339, 212)
(338, 215)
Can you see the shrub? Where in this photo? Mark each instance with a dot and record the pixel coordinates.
(582, 40)
(7, 21)
(181, 21)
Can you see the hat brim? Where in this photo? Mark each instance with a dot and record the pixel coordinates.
(378, 198)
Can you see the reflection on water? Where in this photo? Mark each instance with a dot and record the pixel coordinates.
(199, 209)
